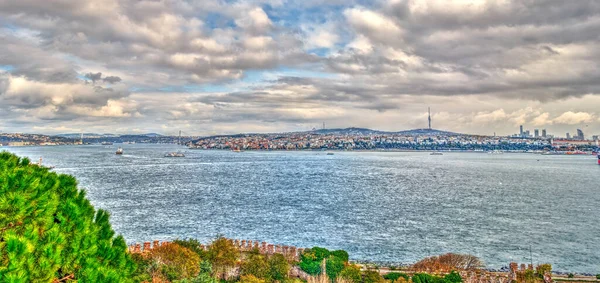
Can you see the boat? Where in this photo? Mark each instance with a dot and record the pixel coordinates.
(330, 153)
(495, 151)
(175, 154)
(237, 150)
(106, 143)
(119, 151)
(436, 153)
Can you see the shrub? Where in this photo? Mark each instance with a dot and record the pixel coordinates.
(598, 276)
(571, 275)
(50, 231)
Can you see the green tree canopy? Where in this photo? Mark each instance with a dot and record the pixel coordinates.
(393, 276)
(49, 230)
(222, 254)
(278, 268)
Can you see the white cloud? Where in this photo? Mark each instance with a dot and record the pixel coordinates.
(574, 118)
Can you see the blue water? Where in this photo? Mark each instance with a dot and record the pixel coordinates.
(383, 206)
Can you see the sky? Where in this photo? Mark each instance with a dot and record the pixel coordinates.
(220, 67)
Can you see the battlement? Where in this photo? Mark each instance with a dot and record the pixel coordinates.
(290, 252)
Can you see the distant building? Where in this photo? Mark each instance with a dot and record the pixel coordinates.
(595, 138)
(557, 143)
(521, 131)
(580, 135)
(527, 134)
(543, 133)
(536, 133)
(568, 136)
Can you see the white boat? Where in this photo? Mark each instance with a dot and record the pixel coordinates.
(119, 151)
(436, 153)
(175, 154)
(495, 151)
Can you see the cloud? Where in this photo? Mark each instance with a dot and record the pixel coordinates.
(93, 76)
(111, 79)
(574, 118)
(289, 65)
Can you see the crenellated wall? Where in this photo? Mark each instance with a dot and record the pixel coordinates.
(290, 252)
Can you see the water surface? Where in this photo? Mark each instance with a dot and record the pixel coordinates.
(383, 206)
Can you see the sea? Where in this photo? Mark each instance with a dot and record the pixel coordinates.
(386, 207)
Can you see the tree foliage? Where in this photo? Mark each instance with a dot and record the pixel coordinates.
(351, 272)
(223, 254)
(393, 276)
(256, 265)
(449, 262)
(312, 259)
(372, 276)
(176, 262)
(278, 268)
(50, 231)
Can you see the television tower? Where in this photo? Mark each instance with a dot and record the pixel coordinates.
(429, 116)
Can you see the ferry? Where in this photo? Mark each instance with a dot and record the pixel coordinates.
(119, 151)
(436, 153)
(175, 154)
(106, 143)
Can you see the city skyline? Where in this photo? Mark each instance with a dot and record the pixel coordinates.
(225, 67)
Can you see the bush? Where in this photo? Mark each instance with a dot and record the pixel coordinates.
(393, 276)
(571, 275)
(50, 231)
(598, 276)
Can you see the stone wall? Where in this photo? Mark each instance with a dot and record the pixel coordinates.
(290, 252)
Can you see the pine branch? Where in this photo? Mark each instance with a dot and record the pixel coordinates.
(70, 276)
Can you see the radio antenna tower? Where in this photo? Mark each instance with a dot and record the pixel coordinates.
(429, 116)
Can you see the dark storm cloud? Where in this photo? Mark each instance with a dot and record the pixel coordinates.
(93, 76)
(111, 79)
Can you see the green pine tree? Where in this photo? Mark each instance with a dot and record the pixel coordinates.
(50, 231)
